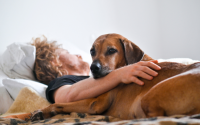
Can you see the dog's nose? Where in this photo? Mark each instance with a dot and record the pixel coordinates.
(95, 67)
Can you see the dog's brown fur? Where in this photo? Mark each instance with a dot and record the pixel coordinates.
(174, 91)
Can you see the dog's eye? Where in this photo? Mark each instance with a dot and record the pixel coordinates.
(92, 52)
(111, 51)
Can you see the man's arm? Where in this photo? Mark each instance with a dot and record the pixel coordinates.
(90, 87)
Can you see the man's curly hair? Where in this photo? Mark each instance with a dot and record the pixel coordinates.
(47, 66)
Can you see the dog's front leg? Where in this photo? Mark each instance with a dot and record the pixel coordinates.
(25, 116)
(91, 106)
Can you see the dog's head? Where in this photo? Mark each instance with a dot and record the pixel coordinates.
(111, 51)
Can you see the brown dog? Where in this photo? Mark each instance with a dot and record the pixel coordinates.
(174, 91)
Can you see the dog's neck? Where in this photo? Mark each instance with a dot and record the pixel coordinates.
(146, 58)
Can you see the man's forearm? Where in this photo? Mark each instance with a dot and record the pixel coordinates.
(90, 87)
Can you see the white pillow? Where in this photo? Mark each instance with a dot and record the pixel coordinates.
(18, 61)
(14, 86)
(185, 61)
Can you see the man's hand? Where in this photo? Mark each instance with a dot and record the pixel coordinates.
(143, 69)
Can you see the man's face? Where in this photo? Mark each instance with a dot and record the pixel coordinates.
(74, 64)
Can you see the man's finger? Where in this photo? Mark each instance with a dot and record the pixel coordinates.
(152, 65)
(154, 61)
(143, 74)
(137, 81)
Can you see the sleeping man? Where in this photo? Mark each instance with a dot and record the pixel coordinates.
(67, 75)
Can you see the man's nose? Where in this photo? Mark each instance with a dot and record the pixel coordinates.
(79, 56)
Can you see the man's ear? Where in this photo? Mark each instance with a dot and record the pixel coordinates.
(132, 52)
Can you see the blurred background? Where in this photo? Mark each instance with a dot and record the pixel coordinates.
(162, 28)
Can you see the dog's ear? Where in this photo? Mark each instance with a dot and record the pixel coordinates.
(132, 52)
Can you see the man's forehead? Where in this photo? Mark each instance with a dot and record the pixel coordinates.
(59, 50)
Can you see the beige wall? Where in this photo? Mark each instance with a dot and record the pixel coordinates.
(162, 28)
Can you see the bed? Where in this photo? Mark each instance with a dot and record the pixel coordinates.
(21, 93)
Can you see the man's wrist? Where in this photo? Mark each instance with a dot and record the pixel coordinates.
(116, 76)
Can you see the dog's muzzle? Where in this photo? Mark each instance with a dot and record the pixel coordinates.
(97, 70)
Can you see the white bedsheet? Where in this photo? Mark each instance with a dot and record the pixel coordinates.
(5, 98)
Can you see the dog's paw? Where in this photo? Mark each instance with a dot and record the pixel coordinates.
(37, 115)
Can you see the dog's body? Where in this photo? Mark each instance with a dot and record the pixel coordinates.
(166, 98)
(175, 90)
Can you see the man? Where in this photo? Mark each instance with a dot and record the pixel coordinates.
(67, 74)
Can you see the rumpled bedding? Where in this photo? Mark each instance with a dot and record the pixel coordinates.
(18, 61)
(84, 118)
(29, 100)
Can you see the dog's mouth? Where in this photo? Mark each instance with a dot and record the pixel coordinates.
(104, 71)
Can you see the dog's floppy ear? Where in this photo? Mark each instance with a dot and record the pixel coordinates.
(132, 52)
